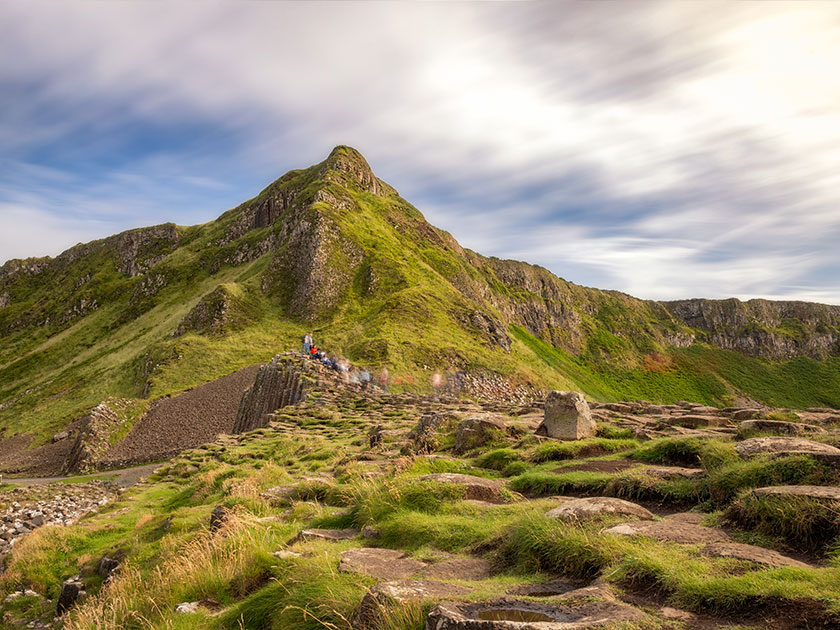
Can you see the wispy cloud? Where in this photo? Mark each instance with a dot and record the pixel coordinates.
(663, 149)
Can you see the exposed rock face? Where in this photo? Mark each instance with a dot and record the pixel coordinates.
(210, 315)
(141, 249)
(94, 438)
(279, 383)
(314, 269)
(567, 417)
(346, 165)
(5, 299)
(491, 329)
(775, 330)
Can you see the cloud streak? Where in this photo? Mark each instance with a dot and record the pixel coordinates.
(666, 150)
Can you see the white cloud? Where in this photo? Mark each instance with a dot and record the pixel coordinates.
(666, 149)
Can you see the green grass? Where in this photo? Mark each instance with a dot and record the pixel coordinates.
(679, 451)
(800, 523)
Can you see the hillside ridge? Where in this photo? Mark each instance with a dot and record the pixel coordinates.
(333, 249)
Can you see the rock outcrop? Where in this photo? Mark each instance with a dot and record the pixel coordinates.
(763, 328)
(279, 383)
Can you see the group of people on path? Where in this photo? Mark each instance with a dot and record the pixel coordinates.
(311, 350)
(362, 377)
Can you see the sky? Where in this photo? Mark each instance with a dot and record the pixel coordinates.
(668, 150)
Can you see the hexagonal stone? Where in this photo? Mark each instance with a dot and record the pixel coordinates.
(674, 472)
(752, 553)
(519, 614)
(458, 569)
(779, 426)
(829, 493)
(328, 534)
(384, 564)
(593, 507)
(671, 531)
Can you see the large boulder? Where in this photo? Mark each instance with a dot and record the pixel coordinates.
(671, 531)
(751, 553)
(819, 493)
(567, 417)
(327, 534)
(478, 431)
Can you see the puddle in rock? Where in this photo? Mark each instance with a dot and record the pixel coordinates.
(513, 614)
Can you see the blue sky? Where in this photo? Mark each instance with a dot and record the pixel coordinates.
(667, 150)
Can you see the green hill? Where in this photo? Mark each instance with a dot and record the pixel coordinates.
(334, 250)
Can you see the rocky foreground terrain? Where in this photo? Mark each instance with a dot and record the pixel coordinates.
(350, 507)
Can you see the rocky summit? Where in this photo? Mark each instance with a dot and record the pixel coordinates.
(480, 445)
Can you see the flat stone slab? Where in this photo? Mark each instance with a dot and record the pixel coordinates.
(458, 569)
(674, 472)
(328, 534)
(694, 421)
(477, 488)
(752, 553)
(388, 596)
(830, 493)
(783, 445)
(383, 564)
(694, 518)
(558, 586)
(779, 426)
(671, 531)
(593, 507)
(519, 614)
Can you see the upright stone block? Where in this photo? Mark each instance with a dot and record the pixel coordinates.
(567, 417)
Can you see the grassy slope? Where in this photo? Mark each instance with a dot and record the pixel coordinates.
(163, 566)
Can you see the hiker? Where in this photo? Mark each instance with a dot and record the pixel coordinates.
(307, 343)
(313, 352)
(383, 379)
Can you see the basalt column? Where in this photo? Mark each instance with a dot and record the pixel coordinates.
(278, 384)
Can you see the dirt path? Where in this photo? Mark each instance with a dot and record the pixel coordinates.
(122, 477)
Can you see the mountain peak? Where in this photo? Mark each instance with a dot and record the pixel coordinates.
(345, 165)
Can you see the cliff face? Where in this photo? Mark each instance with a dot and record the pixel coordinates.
(771, 329)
